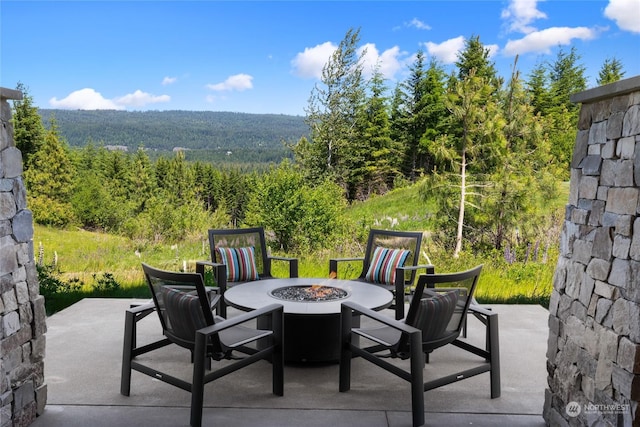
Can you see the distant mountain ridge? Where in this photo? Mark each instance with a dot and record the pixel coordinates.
(167, 130)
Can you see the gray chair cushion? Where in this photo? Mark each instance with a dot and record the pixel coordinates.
(434, 313)
(184, 313)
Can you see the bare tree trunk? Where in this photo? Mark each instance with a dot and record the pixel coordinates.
(463, 191)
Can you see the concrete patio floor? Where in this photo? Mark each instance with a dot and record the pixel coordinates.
(83, 360)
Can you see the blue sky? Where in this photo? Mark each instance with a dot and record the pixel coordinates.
(266, 56)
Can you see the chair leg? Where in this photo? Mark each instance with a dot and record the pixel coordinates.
(345, 350)
(399, 296)
(127, 351)
(417, 381)
(197, 388)
(494, 354)
(277, 358)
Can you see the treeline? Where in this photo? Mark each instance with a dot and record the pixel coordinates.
(168, 199)
(486, 153)
(166, 130)
(487, 149)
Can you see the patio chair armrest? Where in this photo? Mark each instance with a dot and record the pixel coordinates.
(333, 263)
(242, 318)
(142, 307)
(215, 265)
(429, 268)
(293, 264)
(353, 307)
(401, 283)
(476, 309)
(219, 273)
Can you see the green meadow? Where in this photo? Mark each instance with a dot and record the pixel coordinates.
(88, 264)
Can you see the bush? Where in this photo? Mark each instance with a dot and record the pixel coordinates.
(301, 218)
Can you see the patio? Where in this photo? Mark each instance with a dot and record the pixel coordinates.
(83, 360)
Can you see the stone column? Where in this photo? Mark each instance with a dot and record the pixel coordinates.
(23, 393)
(593, 355)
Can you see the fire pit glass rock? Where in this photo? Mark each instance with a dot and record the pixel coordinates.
(309, 293)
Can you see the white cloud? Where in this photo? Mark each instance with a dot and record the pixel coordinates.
(238, 82)
(416, 23)
(85, 99)
(626, 13)
(542, 41)
(89, 99)
(169, 80)
(389, 61)
(447, 51)
(140, 99)
(520, 13)
(309, 64)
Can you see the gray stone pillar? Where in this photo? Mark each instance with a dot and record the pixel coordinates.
(23, 393)
(593, 355)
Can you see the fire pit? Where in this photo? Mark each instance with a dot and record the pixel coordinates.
(311, 311)
(311, 293)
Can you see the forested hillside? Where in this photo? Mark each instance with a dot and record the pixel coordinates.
(166, 130)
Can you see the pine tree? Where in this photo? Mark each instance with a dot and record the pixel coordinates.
(477, 122)
(378, 155)
(28, 130)
(140, 180)
(414, 119)
(475, 57)
(332, 113)
(611, 71)
(538, 89)
(435, 112)
(566, 77)
(49, 180)
(524, 176)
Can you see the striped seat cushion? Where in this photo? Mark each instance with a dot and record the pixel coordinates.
(434, 313)
(183, 313)
(240, 262)
(384, 262)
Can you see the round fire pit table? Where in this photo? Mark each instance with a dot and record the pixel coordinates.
(311, 311)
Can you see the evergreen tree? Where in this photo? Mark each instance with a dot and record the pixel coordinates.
(475, 56)
(566, 77)
(331, 115)
(611, 71)
(140, 181)
(94, 201)
(179, 182)
(49, 181)
(413, 124)
(525, 175)
(417, 114)
(373, 161)
(538, 89)
(477, 117)
(435, 111)
(28, 130)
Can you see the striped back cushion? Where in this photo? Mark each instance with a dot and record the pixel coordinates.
(183, 313)
(434, 313)
(382, 268)
(240, 262)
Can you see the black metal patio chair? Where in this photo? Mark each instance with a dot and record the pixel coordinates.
(391, 261)
(435, 319)
(187, 321)
(238, 256)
